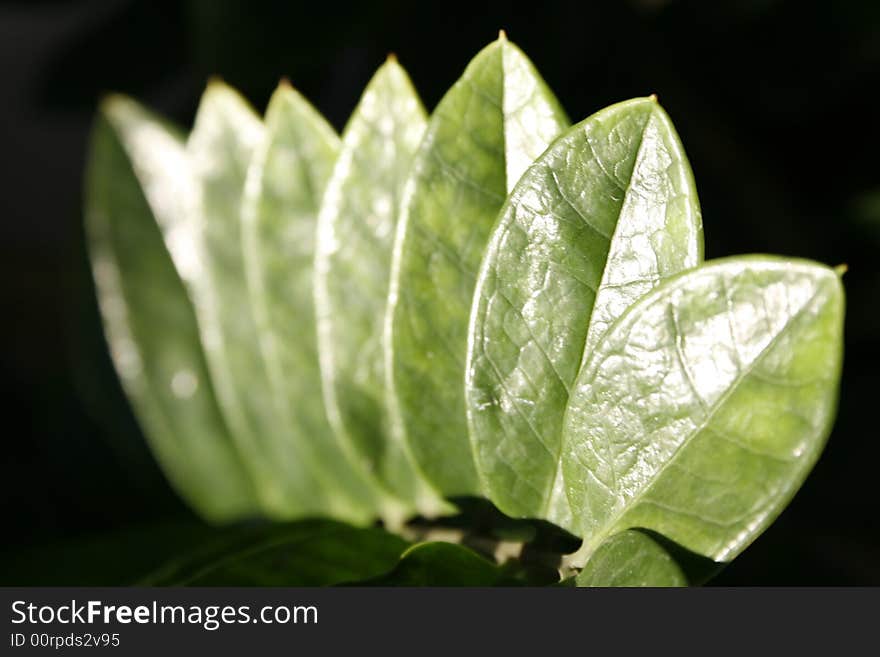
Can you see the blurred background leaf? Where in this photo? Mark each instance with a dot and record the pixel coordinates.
(771, 99)
(305, 553)
(446, 564)
(105, 558)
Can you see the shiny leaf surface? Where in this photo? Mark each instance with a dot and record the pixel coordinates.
(604, 215)
(148, 317)
(497, 118)
(352, 261)
(704, 407)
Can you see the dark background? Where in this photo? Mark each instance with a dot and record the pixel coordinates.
(772, 100)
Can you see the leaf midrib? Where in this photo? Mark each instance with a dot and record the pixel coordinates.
(557, 468)
(611, 523)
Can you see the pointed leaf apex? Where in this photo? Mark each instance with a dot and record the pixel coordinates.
(217, 87)
(502, 35)
(111, 99)
(841, 269)
(391, 58)
(653, 98)
(284, 82)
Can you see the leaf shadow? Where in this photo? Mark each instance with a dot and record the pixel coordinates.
(697, 568)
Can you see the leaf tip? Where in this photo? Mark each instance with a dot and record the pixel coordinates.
(502, 35)
(109, 100)
(653, 98)
(215, 87)
(284, 82)
(841, 269)
(391, 58)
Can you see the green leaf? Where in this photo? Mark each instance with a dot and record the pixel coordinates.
(286, 180)
(220, 149)
(355, 235)
(488, 128)
(605, 214)
(444, 564)
(148, 317)
(703, 409)
(631, 559)
(306, 553)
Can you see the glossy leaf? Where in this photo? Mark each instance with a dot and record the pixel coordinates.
(148, 317)
(352, 256)
(604, 215)
(286, 179)
(631, 559)
(705, 406)
(488, 128)
(305, 553)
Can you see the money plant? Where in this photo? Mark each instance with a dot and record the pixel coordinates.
(475, 346)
